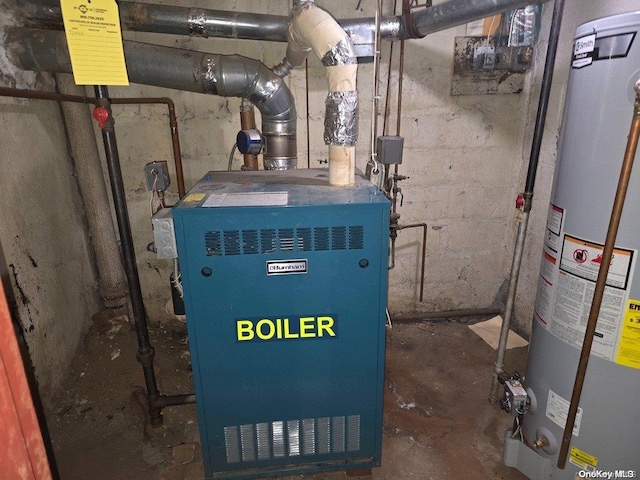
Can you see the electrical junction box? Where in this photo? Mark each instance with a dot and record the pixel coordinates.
(285, 289)
(157, 176)
(164, 238)
(389, 149)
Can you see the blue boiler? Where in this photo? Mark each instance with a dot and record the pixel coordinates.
(285, 289)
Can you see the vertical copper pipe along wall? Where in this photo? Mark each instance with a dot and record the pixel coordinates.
(424, 252)
(173, 126)
(612, 232)
(248, 122)
(173, 123)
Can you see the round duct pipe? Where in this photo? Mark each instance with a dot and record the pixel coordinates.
(224, 75)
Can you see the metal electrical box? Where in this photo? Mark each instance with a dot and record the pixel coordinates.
(285, 282)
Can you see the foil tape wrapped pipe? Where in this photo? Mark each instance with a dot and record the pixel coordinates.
(209, 75)
(341, 119)
(198, 23)
(342, 53)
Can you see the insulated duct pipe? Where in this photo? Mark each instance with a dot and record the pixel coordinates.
(79, 124)
(312, 28)
(148, 17)
(224, 75)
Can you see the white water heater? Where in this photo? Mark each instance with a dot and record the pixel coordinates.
(606, 434)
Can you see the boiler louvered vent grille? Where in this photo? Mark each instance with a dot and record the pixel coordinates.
(292, 438)
(301, 239)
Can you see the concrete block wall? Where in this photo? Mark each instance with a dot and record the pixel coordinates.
(463, 156)
(47, 267)
(466, 157)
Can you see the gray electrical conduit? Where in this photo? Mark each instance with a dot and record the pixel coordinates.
(223, 75)
(202, 22)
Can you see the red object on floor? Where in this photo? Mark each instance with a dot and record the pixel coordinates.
(22, 452)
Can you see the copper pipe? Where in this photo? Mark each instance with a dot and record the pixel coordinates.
(612, 232)
(59, 97)
(173, 125)
(424, 251)
(248, 122)
(38, 95)
(306, 78)
(400, 78)
(399, 110)
(388, 93)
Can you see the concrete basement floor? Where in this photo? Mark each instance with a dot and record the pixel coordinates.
(438, 423)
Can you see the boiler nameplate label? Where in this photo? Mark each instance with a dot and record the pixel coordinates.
(286, 267)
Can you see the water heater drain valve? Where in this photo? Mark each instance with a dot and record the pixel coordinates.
(515, 400)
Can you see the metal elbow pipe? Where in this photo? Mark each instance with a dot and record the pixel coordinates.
(227, 76)
(237, 76)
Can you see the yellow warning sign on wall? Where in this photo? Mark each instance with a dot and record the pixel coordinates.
(93, 34)
(629, 344)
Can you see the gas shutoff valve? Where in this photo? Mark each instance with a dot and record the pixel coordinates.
(515, 400)
(249, 141)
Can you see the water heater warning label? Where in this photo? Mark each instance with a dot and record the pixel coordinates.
(629, 345)
(566, 284)
(579, 262)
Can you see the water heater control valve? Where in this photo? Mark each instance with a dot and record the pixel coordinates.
(515, 400)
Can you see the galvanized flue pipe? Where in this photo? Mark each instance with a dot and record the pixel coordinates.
(148, 17)
(223, 75)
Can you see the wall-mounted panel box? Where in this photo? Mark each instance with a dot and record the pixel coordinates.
(285, 282)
